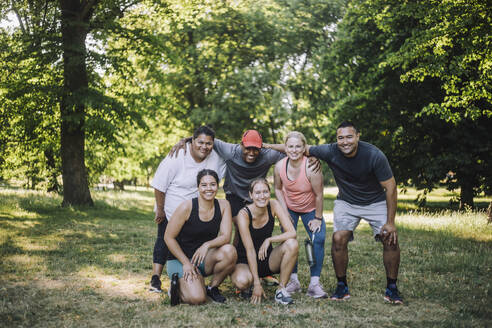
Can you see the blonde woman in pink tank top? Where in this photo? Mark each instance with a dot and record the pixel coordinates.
(300, 190)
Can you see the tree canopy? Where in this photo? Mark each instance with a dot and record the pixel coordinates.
(105, 87)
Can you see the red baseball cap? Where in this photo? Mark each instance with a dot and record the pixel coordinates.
(252, 138)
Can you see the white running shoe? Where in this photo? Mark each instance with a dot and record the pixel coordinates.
(283, 297)
(316, 291)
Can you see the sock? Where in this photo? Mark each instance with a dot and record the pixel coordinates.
(390, 281)
(293, 276)
(343, 279)
(314, 280)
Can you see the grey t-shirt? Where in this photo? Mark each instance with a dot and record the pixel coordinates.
(240, 174)
(357, 177)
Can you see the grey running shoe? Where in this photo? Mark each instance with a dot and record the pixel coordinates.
(283, 297)
(293, 286)
(316, 291)
(155, 284)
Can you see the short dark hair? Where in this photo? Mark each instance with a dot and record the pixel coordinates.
(205, 172)
(348, 124)
(204, 129)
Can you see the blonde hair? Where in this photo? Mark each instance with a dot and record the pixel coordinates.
(256, 181)
(296, 134)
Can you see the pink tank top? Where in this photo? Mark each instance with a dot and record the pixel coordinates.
(298, 193)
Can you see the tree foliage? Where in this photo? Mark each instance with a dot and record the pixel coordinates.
(400, 94)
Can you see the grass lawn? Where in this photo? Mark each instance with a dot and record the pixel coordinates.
(63, 267)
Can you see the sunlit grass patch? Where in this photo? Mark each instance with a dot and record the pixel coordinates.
(92, 266)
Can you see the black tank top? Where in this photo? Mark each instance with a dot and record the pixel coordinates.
(195, 232)
(257, 235)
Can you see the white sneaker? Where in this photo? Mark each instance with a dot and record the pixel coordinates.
(283, 297)
(293, 286)
(316, 291)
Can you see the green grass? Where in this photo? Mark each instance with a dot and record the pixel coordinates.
(63, 267)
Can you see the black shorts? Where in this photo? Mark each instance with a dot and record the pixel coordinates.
(237, 203)
(263, 267)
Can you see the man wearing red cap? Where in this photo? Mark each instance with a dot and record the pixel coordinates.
(245, 162)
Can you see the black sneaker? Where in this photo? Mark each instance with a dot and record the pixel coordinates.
(392, 295)
(341, 293)
(246, 294)
(214, 294)
(174, 290)
(155, 284)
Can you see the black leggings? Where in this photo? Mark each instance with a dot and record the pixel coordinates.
(160, 248)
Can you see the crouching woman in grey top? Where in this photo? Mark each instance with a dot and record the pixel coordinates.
(198, 236)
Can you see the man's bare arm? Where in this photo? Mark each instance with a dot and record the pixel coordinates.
(160, 197)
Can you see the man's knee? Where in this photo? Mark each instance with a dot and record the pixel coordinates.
(340, 240)
(387, 247)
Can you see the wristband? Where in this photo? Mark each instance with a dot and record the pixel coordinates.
(321, 218)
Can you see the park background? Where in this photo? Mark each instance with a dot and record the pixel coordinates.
(93, 93)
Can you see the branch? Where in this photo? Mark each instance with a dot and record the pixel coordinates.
(87, 9)
(16, 11)
(44, 14)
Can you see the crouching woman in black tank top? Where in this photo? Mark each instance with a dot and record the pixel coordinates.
(198, 236)
(256, 256)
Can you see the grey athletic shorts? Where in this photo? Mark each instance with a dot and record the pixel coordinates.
(347, 216)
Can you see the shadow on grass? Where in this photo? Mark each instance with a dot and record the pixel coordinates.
(71, 238)
(407, 205)
(444, 274)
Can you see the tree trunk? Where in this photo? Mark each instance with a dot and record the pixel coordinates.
(466, 194)
(74, 32)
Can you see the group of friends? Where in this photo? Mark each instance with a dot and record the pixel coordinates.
(195, 228)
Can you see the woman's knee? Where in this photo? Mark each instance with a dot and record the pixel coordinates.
(196, 299)
(192, 293)
(291, 245)
(242, 279)
(228, 253)
(319, 240)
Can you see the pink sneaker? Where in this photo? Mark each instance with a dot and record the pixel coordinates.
(316, 291)
(293, 286)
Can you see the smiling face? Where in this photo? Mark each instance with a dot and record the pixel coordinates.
(201, 147)
(347, 141)
(250, 154)
(207, 188)
(260, 194)
(294, 148)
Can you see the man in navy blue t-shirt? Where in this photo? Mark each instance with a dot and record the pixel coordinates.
(367, 190)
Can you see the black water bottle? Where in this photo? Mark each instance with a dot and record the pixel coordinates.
(308, 245)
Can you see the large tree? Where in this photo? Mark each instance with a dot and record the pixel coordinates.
(53, 35)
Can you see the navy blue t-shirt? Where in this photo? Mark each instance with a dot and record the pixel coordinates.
(357, 177)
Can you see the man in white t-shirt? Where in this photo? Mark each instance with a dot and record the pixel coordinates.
(174, 182)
